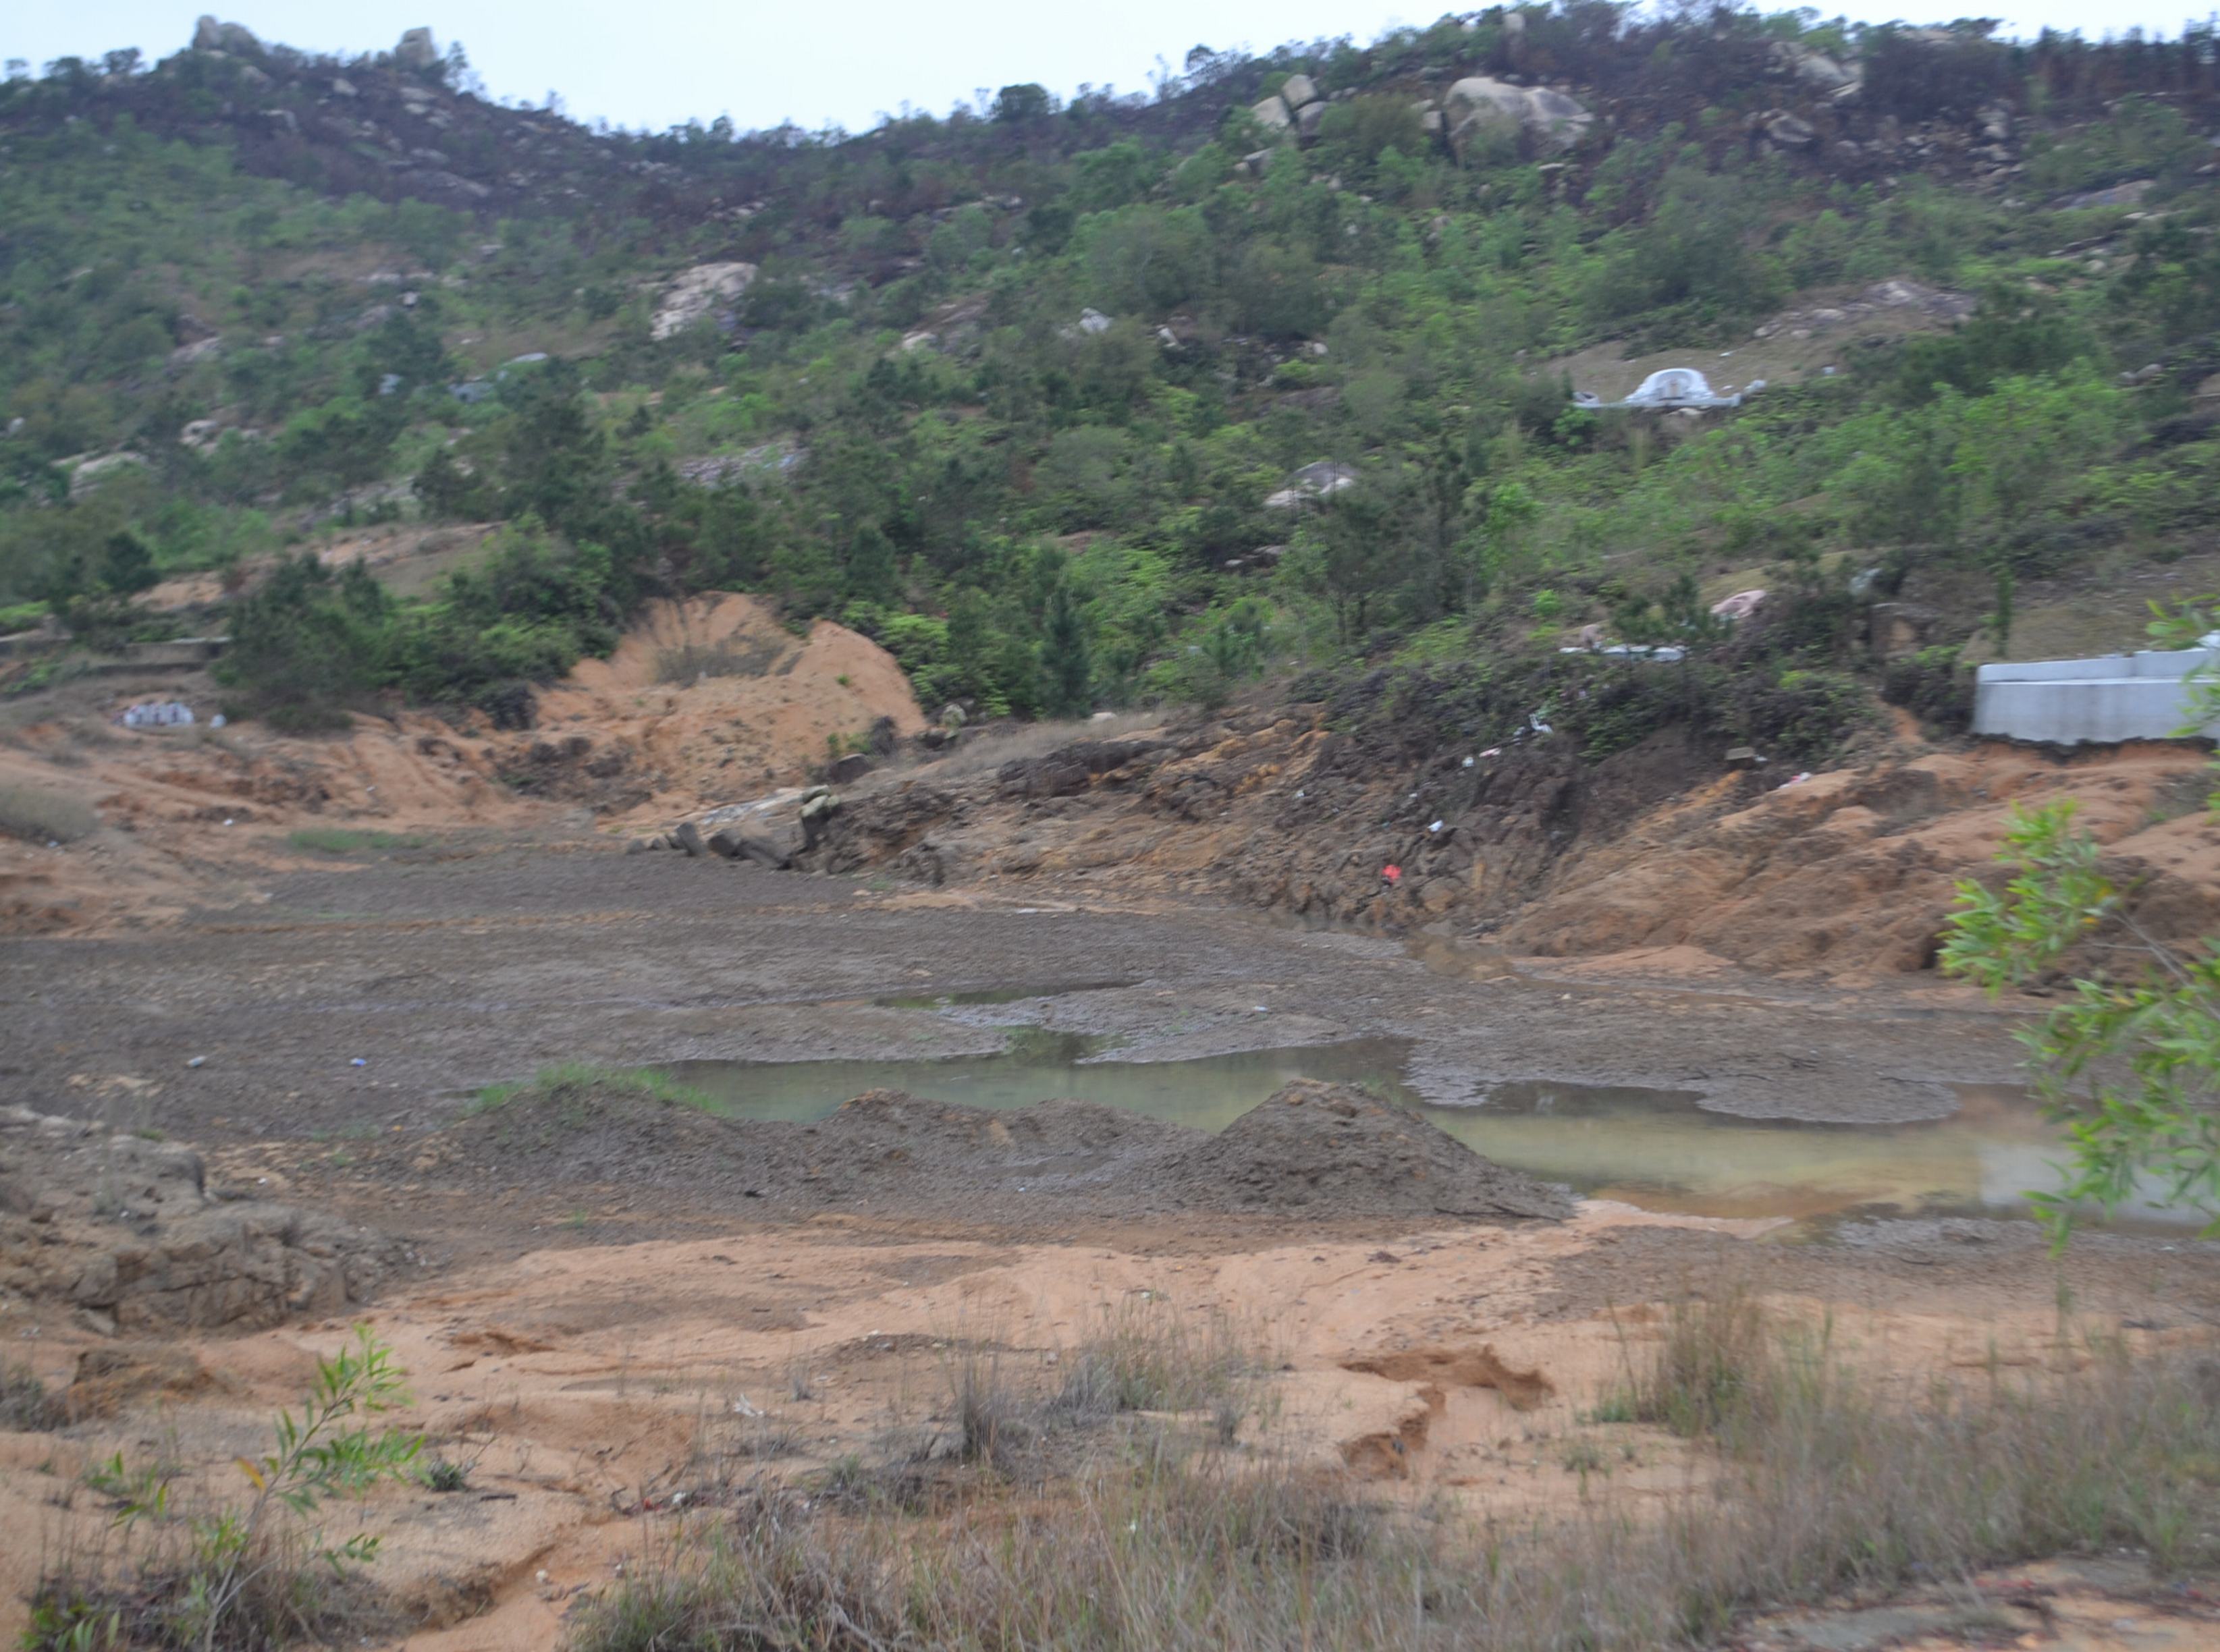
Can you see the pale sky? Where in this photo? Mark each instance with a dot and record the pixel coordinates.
(657, 63)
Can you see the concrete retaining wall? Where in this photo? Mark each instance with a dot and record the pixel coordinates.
(2112, 697)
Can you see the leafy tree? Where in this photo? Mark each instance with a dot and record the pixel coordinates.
(871, 564)
(126, 566)
(1028, 101)
(444, 490)
(2130, 1063)
(1352, 551)
(309, 644)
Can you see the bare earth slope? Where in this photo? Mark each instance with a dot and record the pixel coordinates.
(1658, 857)
(701, 702)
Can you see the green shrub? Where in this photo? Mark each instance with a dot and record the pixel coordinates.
(310, 646)
(1933, 686)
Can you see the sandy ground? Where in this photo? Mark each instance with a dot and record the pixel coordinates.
(599, 1389)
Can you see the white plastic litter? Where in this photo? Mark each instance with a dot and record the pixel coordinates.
(1436, 827)
(156, 714)
(197, 1060)
(358, 1062)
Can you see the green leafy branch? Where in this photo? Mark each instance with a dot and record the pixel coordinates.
(328, 1447)
(2129, 1067)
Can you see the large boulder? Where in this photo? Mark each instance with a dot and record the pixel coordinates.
(1299, 91)
(735, 844)
(1311, 483)
(1271, 114)
(1815, 69)
(1555, 118)
(698, 292)
(1481, 106)
(1790, 131)
(209, 35)
(416, 50)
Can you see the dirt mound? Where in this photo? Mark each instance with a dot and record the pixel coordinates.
(579, 1134)
(712, 701)
(1332, 1148)
(125, 1233)
(1318, 1148)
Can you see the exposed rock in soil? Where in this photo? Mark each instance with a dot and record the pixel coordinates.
(126, 1232)
(1324, 1150)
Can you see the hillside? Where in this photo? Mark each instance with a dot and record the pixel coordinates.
(1127, 402)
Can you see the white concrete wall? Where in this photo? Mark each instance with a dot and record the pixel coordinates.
(2068, 701)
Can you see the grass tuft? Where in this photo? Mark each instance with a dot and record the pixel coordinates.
(570, 1079)
(445, 1475)
(25, 1405)
(1719, 1367)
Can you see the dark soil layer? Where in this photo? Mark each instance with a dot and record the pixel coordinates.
(1325, 1151)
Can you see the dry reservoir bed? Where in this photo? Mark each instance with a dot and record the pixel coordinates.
(612, 1305)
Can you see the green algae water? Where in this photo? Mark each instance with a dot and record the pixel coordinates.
(1658, 1150)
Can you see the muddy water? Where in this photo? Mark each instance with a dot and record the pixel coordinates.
(1655, 1148)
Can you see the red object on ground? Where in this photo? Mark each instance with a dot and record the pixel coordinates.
(1392, 874)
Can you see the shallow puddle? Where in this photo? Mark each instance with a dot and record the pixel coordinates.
(1655, 1148)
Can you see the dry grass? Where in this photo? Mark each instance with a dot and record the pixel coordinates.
(37, 815)
(1822, 1484)
(25, 1405)
(108, 1596)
